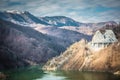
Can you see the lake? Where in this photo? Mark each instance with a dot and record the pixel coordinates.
(35, 73)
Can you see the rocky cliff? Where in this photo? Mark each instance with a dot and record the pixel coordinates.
(79, 56)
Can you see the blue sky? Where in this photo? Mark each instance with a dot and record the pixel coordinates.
(80, 10)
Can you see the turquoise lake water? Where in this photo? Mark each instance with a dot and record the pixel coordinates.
(35, 73)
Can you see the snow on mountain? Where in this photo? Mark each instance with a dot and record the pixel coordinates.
(22, 18)
(25, 18)
(70, 24)
(14, 11)
(60, 21)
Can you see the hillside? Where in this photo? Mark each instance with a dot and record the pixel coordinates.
(28, 40)
(21, 46)
(67, 35)
(89, 28)
(85, 60)
(80, 56)
(60, 21)
(20, 17)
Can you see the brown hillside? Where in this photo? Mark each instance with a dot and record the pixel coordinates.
(107, 59)
(80, 56)
(83, 59)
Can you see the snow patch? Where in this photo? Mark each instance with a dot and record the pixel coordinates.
(14, 11)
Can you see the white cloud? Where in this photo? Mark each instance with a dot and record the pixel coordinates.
(81, 10)
(107, 3)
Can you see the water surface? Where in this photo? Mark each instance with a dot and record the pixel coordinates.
(35, 73)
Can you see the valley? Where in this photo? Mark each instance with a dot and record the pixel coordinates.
(59, 42)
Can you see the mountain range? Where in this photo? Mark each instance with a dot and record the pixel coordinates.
(29, 40)
(22, 45)
(27, 19)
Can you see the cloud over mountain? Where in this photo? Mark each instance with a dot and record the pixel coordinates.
(82, 10)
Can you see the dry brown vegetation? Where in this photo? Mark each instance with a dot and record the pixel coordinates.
(76, 60)
(84, 59)
(107, 59)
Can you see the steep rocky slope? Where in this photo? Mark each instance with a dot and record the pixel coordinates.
(79, 56)
(104, 60)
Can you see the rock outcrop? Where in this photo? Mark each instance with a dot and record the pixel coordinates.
(102, 39)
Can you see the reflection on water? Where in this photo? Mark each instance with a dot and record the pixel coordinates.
(30, 73)
(76, 75)
(34, 73)
(51, 76)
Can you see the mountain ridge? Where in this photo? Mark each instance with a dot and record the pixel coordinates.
(61, 20)
(25, 18)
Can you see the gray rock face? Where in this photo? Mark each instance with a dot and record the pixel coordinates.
(103, 39)
(107, 37)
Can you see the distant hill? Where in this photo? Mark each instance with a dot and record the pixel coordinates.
(27, 19)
